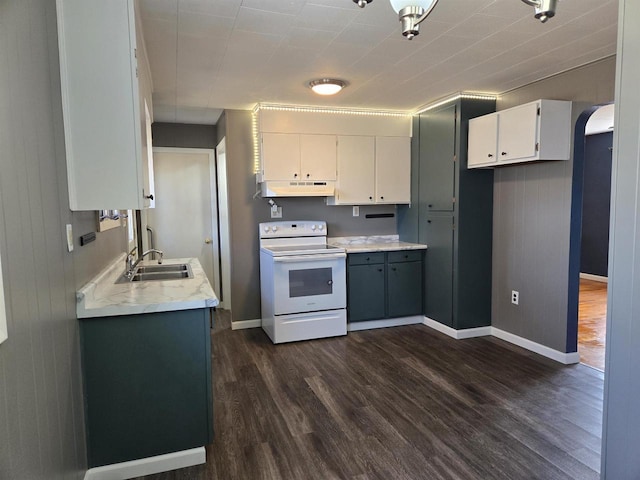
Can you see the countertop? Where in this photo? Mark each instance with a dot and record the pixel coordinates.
(102, 297)
(373, 243)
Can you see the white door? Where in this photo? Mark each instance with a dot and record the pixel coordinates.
(184, 221)
(483, 140)
(393, 170)
(518, 132)
(318, 157)
(356, 174)
(281, 156)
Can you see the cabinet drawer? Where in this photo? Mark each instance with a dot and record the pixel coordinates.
(405, 256)
(365, 258)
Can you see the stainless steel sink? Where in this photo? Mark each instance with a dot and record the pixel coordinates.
(162, 268)
(149, 273)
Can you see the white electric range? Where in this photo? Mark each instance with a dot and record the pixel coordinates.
(302, 282)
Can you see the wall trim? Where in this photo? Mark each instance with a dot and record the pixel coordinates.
(148, 466)
(564, 358)
(244, 324)
(384, 323)
(457, 334)
(595, 278)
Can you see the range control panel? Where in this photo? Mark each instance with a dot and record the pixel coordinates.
(293, 229)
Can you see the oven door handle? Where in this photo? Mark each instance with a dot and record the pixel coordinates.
(308, 258)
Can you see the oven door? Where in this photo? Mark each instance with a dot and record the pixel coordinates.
(309, 283)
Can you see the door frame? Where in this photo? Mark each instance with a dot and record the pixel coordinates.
(224, 226)
(214, 203)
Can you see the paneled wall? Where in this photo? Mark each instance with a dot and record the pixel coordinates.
(246, 212)
(532, 219)
(41, 411)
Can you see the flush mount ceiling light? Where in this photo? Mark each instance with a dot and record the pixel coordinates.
(327, 86)
(412, 12)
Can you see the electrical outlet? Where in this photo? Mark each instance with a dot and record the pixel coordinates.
(276, 212)
(515, 297)
(356, 211)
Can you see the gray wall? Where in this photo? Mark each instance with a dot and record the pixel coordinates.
(41, 411)
(246, 212)
(182, 135)
(621, 430)
(532, 215)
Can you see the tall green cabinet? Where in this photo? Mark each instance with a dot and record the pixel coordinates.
(451, 211)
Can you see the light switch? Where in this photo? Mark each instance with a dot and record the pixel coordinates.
(69, 237)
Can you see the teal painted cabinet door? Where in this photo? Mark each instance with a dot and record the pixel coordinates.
(147, 383)
(437, 153)
(366, 292)
(439, 269)
(404, 289)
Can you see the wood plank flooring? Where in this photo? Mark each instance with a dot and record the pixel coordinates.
(592, 323)
(396, 403)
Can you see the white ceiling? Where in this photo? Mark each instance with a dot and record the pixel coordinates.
(209, 55)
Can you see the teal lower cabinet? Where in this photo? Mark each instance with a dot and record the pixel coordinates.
(384, 285)
(147, 384)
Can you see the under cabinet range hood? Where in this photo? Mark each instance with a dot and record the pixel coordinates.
(298, 189)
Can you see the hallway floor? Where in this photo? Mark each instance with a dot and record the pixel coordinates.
(592, 323)
(396, 403)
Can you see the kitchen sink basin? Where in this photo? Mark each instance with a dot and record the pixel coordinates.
(149, 273)
(162, 268)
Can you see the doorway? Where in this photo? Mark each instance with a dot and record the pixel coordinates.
(184, 222)
(592, 171)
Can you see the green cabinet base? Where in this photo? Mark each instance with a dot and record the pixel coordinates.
(147, 384)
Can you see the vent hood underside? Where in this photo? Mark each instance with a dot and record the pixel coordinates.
(297, 189)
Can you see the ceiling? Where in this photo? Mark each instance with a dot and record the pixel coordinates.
(210, 55)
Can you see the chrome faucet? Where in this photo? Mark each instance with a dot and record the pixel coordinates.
(132, 263)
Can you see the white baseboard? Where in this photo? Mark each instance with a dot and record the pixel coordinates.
(565, 358)
(457, 334)
(595, 278)
(388, 322)
(148, 466)
(243, 324)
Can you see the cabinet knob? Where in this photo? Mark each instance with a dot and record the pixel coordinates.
(393, 268)
(370, 198)
(381, 198)
(308, 175)
(295, 175)
(504, 153)
(428, 221)
(367, 259)
(330, 282)
(490, 155)
(379, 269)
(150, 197)
(430, 205)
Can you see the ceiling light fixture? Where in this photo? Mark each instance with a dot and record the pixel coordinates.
(545, 9)
(413, 12)
(327, 86)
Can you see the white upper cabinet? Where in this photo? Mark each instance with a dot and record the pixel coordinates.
(483, 140)
(373, 170)
(393, 170)
(356, 171)
(539, 130)
(103, 106)
(291, 156)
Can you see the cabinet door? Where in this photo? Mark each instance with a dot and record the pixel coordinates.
(483, 140)
(100, 103)
(147, 382)
(393, 170)
(439, 269)
(365, 297)
(318, 157)
(356, 157)
(437, 166)
(518, 132)
(281, 156)
(404, 289)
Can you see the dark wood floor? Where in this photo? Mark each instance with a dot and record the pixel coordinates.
(397, 403)
(592, 323)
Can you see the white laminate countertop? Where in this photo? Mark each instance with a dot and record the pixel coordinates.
(102, 297)
(373, 243)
